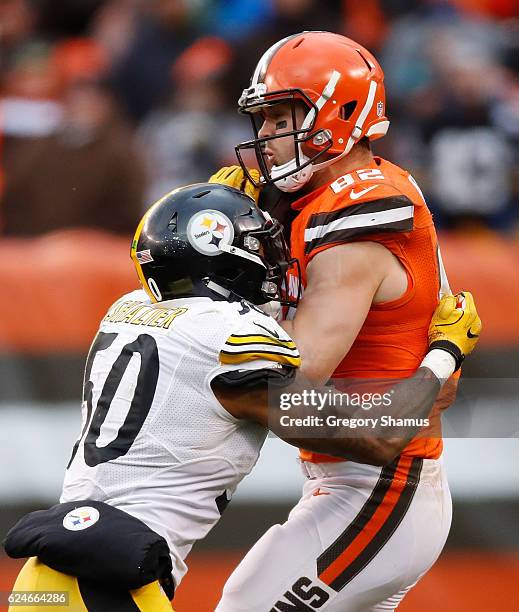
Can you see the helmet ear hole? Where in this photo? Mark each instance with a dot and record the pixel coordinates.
(348, 109)
(172, 225)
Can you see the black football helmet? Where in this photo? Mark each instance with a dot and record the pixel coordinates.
(211, 240)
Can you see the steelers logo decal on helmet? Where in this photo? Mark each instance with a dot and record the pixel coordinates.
(208, 230)
(81, 518)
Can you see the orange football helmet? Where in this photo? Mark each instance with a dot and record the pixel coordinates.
(342, 86)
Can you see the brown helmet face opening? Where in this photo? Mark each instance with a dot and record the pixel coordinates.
(294, 98)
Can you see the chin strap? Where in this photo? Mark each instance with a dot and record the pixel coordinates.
(297, 178)
(236, 251)
(218, 289)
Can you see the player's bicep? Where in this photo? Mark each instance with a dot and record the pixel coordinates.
(243, 380)
(244, 393)
(341, 284)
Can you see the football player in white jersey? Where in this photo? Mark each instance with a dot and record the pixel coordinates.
(166, 433)
(156, 446)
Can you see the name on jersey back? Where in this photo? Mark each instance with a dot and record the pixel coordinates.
(137, 313)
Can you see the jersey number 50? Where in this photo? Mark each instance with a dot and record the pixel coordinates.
(140, 406)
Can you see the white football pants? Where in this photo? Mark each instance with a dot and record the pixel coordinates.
(360, 537)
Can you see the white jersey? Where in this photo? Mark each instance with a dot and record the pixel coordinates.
(155, 442)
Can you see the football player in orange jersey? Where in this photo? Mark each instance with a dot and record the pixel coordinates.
(362, 535)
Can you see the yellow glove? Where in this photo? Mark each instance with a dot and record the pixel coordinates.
(455, 326)
(234, 176)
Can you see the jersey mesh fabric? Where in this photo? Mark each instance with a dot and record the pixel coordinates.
(393, 339)
(189, 450)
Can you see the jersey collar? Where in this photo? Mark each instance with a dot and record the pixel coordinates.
(302, 202)
(177, 301)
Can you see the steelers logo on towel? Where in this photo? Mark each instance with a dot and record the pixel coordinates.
(208, 230)
(81, 518)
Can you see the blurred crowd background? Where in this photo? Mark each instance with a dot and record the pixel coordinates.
(107, 104)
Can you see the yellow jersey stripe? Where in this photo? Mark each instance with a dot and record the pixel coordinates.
(233, 358)
(259, 339)
(255, 348)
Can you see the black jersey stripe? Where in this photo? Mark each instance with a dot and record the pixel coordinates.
(374, 206)
(346, 235)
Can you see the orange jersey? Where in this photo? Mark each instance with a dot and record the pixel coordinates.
(381, 203)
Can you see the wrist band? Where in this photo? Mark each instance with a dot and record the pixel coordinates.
(441, 363)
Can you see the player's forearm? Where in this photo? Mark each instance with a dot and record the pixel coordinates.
(303, 425)
(410, 399)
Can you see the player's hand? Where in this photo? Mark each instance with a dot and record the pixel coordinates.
(233, 176)
(455, 326)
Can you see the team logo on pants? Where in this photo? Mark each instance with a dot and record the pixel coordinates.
(81, 518)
